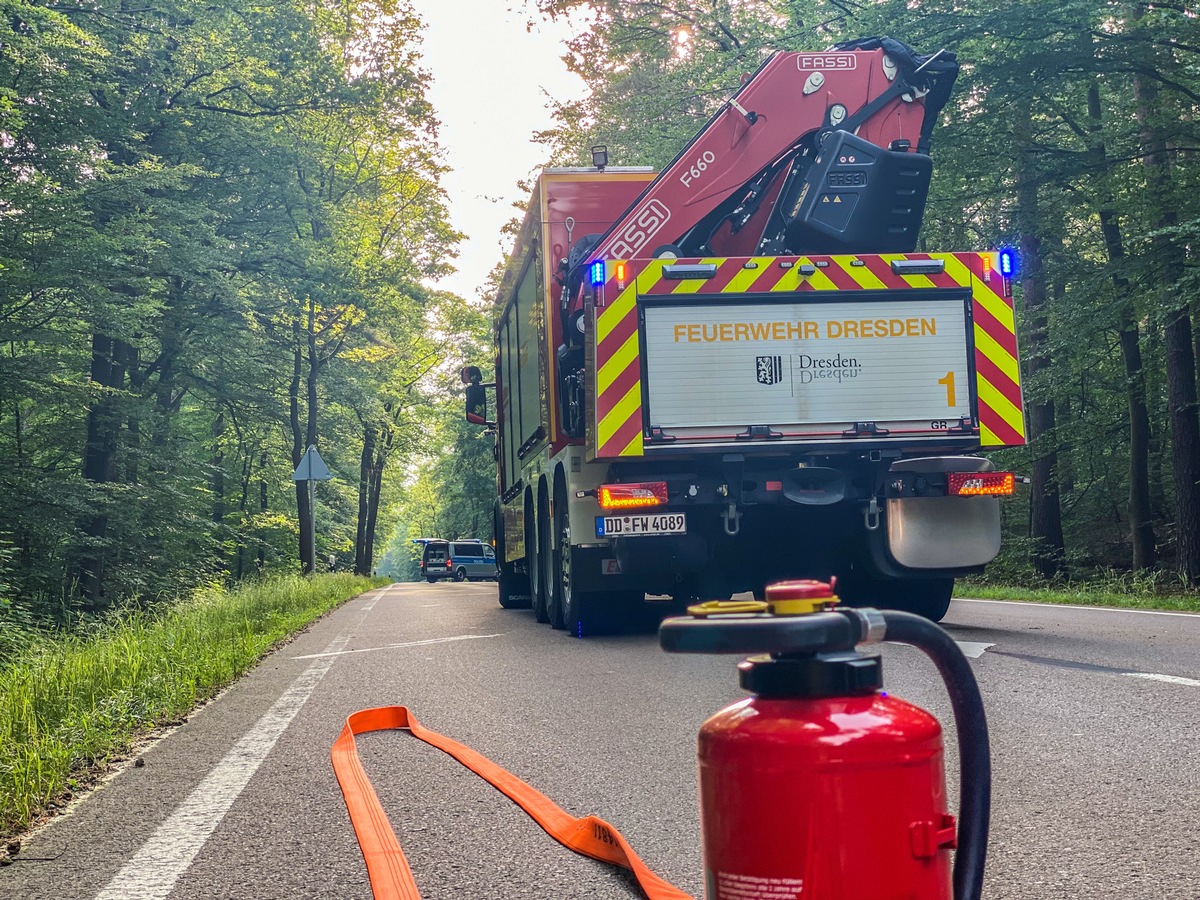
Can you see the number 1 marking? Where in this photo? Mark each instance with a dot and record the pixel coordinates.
(948, 381)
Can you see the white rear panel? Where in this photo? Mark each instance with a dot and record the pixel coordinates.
(808, 367)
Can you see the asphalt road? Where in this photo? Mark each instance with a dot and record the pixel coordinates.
(1094, 714)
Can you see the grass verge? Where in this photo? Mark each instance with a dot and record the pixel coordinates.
(1082, 595)
(69, 703)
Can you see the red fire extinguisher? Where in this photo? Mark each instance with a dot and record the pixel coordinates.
(821, 786)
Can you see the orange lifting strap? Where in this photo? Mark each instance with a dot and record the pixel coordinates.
(392, 879)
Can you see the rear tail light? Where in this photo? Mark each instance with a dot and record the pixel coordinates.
(980, 484)
(629, 496)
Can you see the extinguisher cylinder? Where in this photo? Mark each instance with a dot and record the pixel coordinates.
(831, 798)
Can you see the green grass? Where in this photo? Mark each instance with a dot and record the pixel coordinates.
(69, 703)
(1115, 593)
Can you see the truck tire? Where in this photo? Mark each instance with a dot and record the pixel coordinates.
(586, 613)
(538, 598)
(547, 559)
(460, 574)
(927, 597)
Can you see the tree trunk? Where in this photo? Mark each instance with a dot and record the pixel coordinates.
(218, 470)
(1045, 509)
(1185, 439)
(1141, 515)
(100, 460)
(263, 506)
(1166, 265)
(365, 466)
(307, 563)
(373, 505)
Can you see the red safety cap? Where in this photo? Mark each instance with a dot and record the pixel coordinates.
(800, 589)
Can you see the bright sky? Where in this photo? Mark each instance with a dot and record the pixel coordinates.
(490, 84)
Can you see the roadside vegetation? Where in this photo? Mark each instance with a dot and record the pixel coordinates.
(71, 702)
(1113, 589)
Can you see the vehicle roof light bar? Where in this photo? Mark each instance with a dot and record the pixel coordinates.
(685, 271)
(918, 266)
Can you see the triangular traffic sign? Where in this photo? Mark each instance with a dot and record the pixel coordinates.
(312, 467)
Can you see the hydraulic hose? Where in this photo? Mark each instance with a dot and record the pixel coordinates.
(974, 757)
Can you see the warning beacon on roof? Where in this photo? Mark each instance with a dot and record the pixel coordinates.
(801, 367)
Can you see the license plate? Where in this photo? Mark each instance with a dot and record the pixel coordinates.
(636, 525)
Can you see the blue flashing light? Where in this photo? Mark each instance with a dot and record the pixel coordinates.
(1008, 262)
(597, 273)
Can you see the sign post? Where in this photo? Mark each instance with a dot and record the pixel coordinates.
(312, 469)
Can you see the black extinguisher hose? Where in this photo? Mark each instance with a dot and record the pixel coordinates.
(974, 757)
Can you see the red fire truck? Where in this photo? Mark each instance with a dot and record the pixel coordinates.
(738, 370)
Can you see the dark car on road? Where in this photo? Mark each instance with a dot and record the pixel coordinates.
(467, 560)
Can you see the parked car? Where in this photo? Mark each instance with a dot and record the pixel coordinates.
(468, 560)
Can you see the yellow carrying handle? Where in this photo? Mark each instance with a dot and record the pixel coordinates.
(726, 608)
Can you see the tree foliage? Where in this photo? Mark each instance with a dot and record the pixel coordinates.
(1072, 134)
(217, 227)
(219, 223)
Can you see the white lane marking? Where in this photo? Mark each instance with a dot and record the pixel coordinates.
(1169, 679)
(1124, 609)
(973, 649)
(445, 640)
(152, 872)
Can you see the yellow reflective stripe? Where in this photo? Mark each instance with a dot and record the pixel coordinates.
(622, 412)
(991, 301)
(788, 280)
(634, 447)
(987, 437)
(982, 293)
(956, 269)
(1002, 359)
(649, 276)
(821, 282)
(617, 363)
(1001, 405)
(611, 315)
(746, 277)
(861, 275)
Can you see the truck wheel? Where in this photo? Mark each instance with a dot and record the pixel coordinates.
(562, 558)
(531, 563)
(548, 558)
(460, 574)
(927, 597)
(431, 580)
(587, 613)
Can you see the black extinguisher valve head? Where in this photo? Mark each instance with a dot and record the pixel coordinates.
(844, 674)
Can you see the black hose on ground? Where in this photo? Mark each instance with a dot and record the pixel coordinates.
(974, 756)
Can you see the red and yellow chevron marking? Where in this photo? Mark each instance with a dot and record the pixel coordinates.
(997, 369)
(618, 422)
(618, 373)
